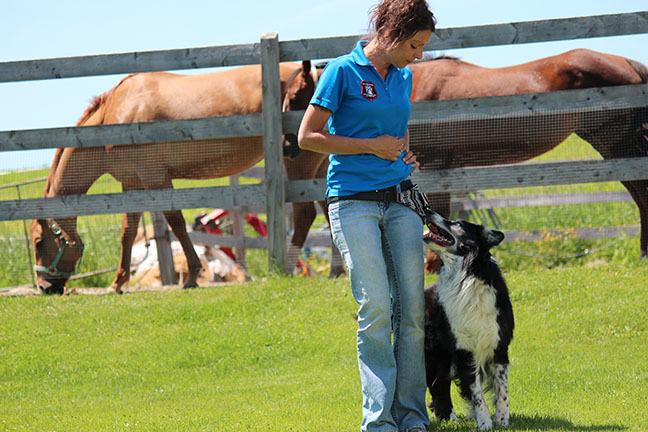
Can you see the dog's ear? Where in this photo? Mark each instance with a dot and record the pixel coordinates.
(493, 237)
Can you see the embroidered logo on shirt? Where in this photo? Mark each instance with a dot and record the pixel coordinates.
(369, 90)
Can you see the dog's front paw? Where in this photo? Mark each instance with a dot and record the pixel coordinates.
(501, 418)
(484, 423)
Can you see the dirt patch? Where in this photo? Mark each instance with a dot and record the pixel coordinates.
(30, 291)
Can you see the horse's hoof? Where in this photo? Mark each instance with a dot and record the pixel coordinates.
(335, 274)
(52, 290)
(190, 285)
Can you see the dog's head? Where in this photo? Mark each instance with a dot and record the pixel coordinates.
(460, 238)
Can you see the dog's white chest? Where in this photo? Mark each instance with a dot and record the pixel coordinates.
(470, 306)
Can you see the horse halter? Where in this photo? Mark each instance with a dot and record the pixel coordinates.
(63, 243)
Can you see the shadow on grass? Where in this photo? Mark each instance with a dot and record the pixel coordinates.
(523, 423)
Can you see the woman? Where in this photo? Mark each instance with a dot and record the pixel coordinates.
(363, 97)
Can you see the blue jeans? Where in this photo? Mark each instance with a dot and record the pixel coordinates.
(382, 247)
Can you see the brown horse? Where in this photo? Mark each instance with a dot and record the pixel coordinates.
(489, 142)
(140, 98)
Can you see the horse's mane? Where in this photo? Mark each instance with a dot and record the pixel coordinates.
(318, 66)
(96, 103)
(52, 171)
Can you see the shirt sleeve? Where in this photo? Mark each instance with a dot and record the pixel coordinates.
(330, 87)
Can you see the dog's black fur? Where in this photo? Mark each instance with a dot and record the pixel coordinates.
(468, 322)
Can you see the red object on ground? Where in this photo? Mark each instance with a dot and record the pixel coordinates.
(211, 225)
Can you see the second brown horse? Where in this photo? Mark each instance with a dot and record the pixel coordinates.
(476, 142)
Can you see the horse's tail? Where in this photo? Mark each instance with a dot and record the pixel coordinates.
(641, 70)
(93, 115)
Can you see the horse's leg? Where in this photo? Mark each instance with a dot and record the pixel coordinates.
(625, 135)
(307, 165)
(178, 226)
(440, 203)
(639, 192)
(303, 217)
(130, 222)
(337, 265)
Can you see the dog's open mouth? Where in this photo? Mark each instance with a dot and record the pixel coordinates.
(438, 235)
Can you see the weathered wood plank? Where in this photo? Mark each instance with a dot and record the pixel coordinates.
(323, 239)
(163, 246)
(273, 152)
(227, 241)
(226, 197)
(499, 177)
(133, 133)
(603, 98)
(533, 104)
(145, 61)
(540, 174)
(540, 31)
(468, 204)
(570, 233)
(515, 106)
(486, 35)
(459, 180)
(229, 55)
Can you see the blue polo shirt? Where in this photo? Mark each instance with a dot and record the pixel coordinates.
(363, 105)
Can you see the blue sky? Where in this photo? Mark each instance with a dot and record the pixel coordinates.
(36, 29)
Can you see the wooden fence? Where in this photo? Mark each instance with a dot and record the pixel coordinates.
(272, 123)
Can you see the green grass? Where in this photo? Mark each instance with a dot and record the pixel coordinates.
(279, 355)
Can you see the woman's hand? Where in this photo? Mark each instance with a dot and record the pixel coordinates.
(388, 147)
(410, 159)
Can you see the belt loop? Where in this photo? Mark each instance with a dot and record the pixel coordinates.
(386, 196)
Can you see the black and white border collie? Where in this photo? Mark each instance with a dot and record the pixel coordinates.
(468, 322)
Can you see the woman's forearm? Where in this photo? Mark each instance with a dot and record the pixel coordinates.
(313, 137)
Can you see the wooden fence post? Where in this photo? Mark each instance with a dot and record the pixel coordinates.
(163, 245)
(272, 128)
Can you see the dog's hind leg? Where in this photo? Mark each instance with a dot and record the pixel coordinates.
(501, 417)
(441, 401)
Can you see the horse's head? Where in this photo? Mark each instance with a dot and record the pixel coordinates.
(299, 91)
(57, 254)
(300, 87)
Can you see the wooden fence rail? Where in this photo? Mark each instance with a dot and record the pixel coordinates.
(513, 106)
(272, 123)
(321, 48)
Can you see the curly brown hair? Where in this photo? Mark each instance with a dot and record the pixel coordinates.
(394, 21)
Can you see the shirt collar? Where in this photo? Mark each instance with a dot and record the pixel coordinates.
(360, 58)
(358, 54)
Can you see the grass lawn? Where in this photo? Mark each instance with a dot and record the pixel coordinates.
(279, 355)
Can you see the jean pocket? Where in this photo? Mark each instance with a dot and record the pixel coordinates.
(340, 205)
